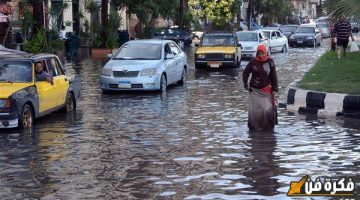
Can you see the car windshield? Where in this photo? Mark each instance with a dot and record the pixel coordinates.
(245, 36)
(168, 32)
(218, 40)
(288, 28)
(305, 30)
(139, 51)
(15, 71)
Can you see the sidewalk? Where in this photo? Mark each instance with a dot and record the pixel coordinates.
(322, 103)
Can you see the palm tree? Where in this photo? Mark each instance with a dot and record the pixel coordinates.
(342, 8)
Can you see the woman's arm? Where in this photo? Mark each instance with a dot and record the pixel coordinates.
(273, 77)
(246, 74)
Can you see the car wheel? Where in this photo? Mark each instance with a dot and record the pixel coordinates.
(70, 103)
(197, 67)
(163, 83)
(26, 119)
(284, 49)
(183, 77)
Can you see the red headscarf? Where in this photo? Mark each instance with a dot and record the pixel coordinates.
(262, 48)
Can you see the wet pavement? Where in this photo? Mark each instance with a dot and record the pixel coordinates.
(192, 143)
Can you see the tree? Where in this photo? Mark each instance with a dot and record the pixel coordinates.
(104, 17)
(148, 10)
(342, 8)
(38, 15)
(219, 12)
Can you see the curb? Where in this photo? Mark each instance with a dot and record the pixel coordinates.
(321, 103)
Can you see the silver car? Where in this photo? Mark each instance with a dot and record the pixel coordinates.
(144, 65)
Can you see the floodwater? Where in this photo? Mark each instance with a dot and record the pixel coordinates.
(192, 143)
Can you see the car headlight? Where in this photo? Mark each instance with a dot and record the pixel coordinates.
(5, 103)
(292, 37)
(229, 56)
(106, 71)
(148, 72)
(200, 56)
(310, 38)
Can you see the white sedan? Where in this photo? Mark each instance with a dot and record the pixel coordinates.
(278, 42)
(144, 65)
(250, 40)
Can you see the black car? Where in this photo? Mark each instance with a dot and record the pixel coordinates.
(306, 35)
(177, 35)
(288, 30)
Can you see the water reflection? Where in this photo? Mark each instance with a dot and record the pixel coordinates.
(263, 163)
(191, 143)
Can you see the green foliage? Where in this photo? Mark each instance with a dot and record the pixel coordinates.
(332, 75)
(37, 44)
(97, 41)
(342, 8)
(114, 23)
(44, 42)
(220, 13)
(92, 7)
(148, 10)
(28, 19)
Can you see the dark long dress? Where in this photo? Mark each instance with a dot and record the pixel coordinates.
(262, 109)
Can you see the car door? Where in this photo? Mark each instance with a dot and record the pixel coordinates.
(170, 64)
(47, 92)
(282, 40)
(60, 80)
(179, 60)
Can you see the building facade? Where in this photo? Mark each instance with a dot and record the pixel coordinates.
(305, 8)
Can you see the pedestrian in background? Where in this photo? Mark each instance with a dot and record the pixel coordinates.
(262, 115)
(342, 31)
(62, 33)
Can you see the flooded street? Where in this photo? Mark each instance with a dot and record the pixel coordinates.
(192, 143)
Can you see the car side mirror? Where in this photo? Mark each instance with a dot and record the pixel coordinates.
(109, 56)
(169, 56)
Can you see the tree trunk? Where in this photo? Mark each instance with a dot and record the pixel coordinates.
(38, 14)
(104, 17)
(181, 14)
(248, 14)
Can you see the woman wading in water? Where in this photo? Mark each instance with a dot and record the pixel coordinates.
(262, 114)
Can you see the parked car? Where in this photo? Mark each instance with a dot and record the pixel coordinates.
(355, 25)
(278, 42)
(179, 36)
(23, 99)
(250, 40)
(306, 35)
(219, 49)
(144, 65)
(288, 30)
(324, 29)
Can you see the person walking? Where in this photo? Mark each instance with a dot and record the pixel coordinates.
(342, 31)
(262, 115)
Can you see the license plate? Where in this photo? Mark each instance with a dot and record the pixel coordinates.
(300, 41)
(124, 85)
(214, 64)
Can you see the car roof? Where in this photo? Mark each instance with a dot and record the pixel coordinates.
(254, 31)
(292, 25)
(308, 25)
(148, 41)
(11, 55)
